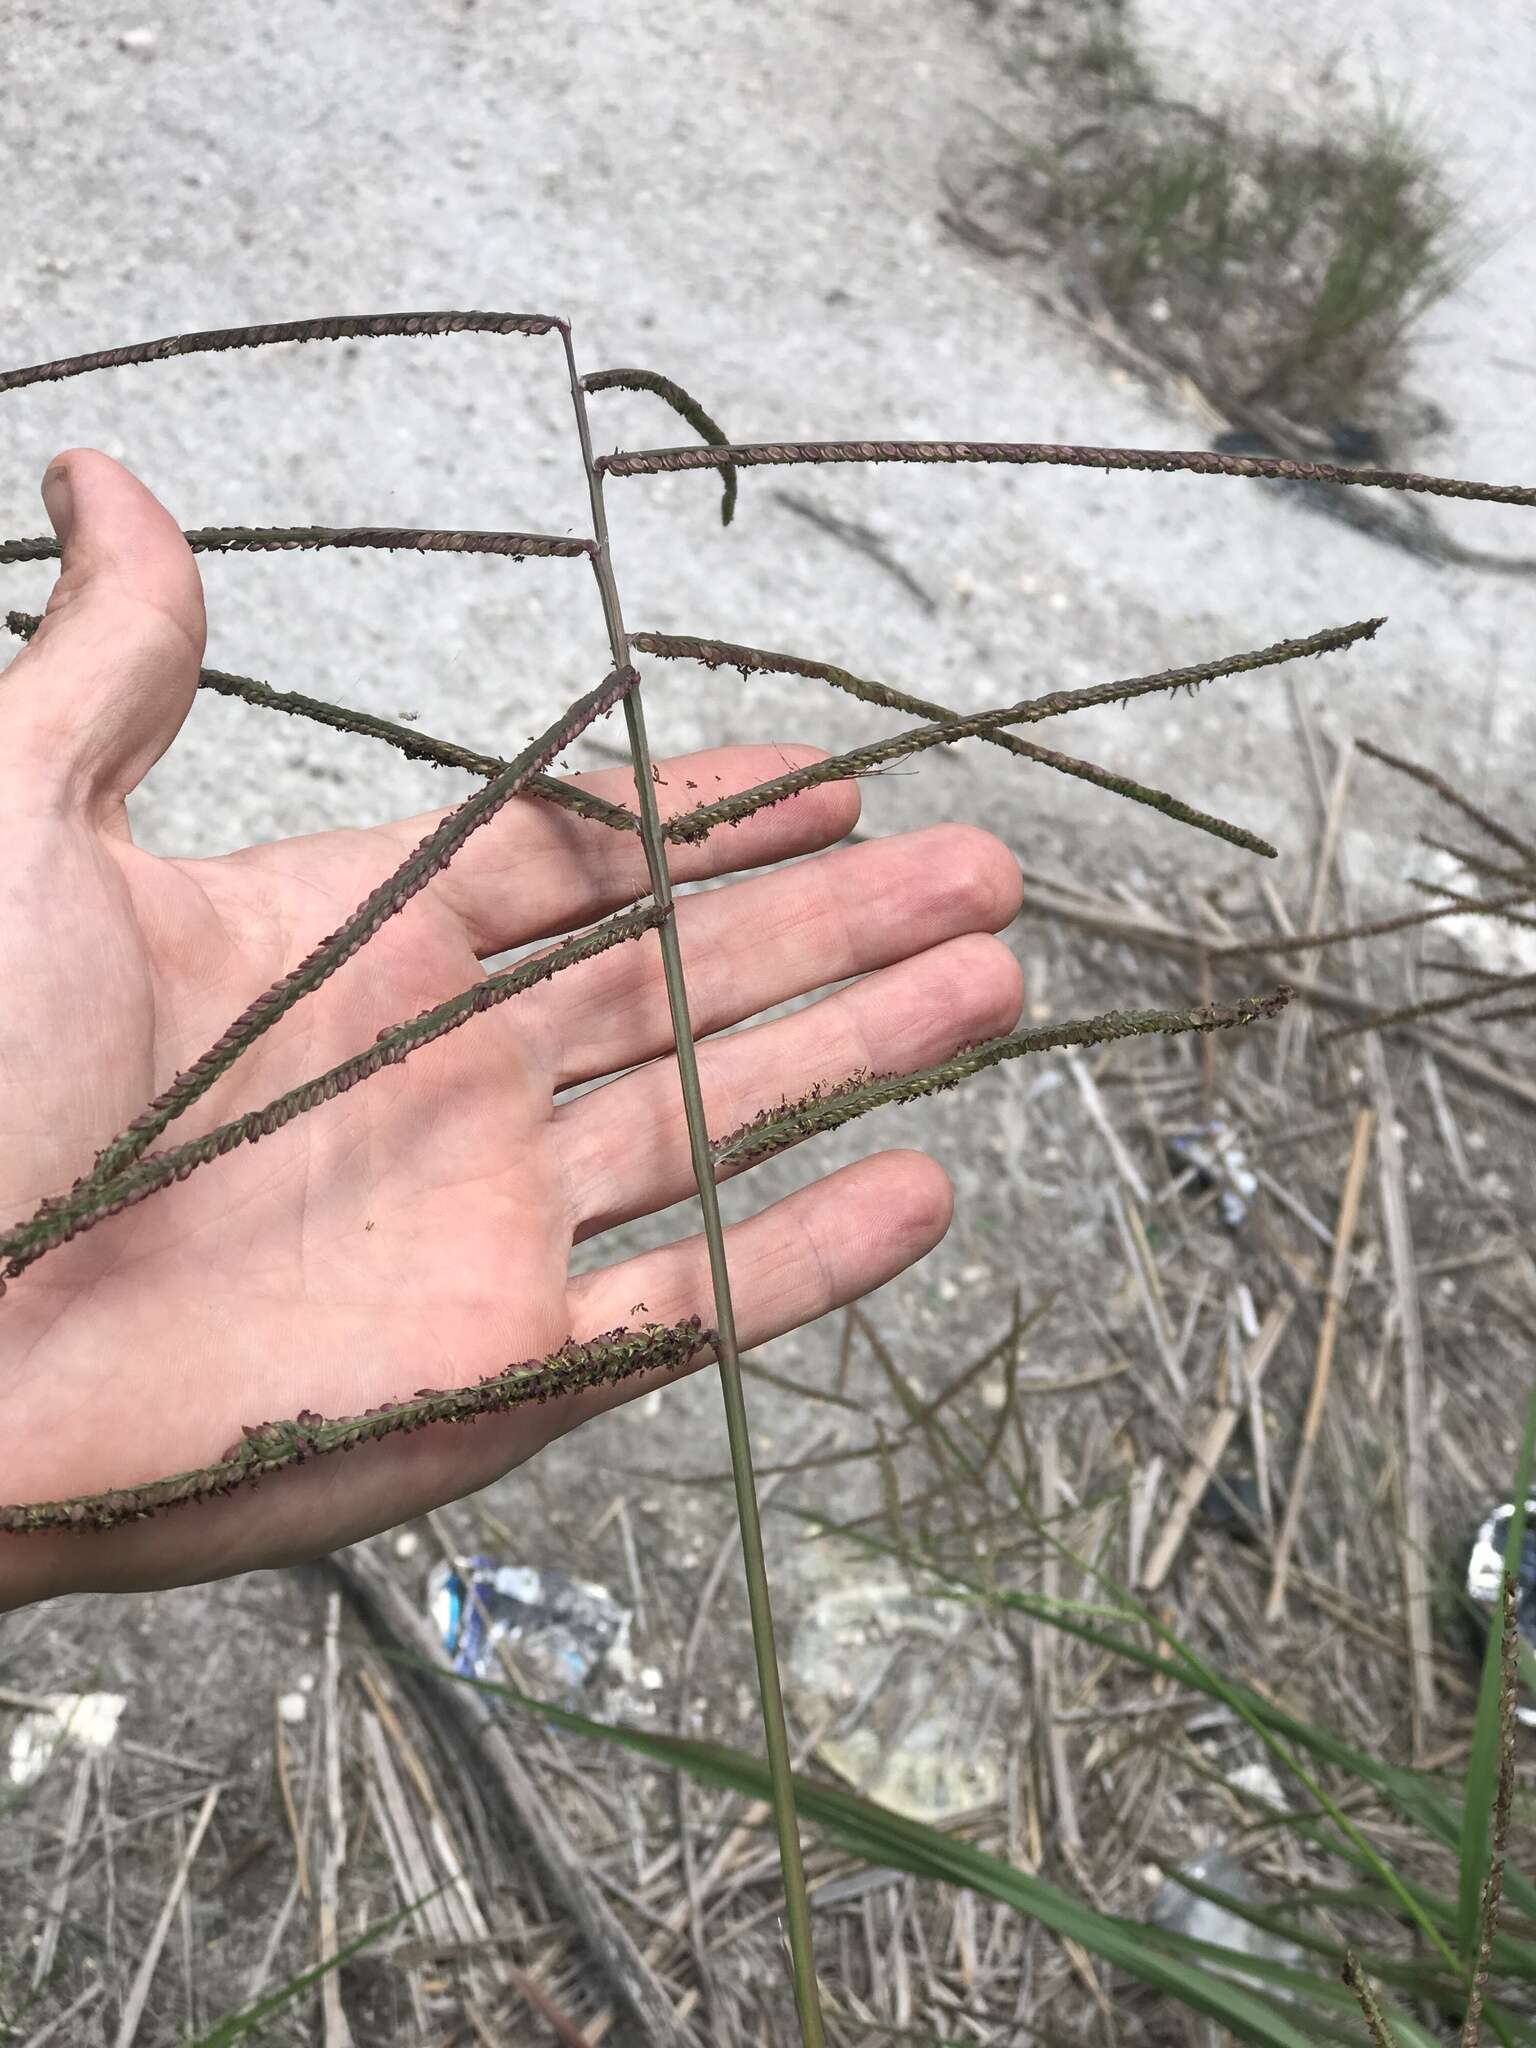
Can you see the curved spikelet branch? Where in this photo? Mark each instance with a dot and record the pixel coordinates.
(680, 402)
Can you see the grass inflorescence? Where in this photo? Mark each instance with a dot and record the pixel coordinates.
(125, 1172)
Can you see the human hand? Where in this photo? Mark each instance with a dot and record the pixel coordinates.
(417, 1230)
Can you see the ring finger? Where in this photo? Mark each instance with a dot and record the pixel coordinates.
(624, 1148)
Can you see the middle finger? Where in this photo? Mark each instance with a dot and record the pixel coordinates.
(762, 941)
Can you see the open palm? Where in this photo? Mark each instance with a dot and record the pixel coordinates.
(418, 1230)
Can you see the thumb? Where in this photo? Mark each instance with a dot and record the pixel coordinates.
(96, 698)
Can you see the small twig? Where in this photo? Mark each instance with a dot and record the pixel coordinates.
(58, 1897)
(1398, 1230)
(1452, 796)
(863, 538)
(1206, 1460)
(1133, 1239)
(1051, 896)
(338, 2033)
(1043, 1655)
(133, 2007)
(1478, 863)
(1432, 1006)
(1093, 1102)
(1377, 928)
(1338, 1286)
(285, 1792)
(529, 1988)
(472, 1713)
(1476, 906)
(51, 2029)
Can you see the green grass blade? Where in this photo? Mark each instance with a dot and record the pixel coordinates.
(236, 2025)
(1483, 1763)
(1417, 1796)
(885, 1838)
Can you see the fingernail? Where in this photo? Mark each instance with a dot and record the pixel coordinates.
(58, 502)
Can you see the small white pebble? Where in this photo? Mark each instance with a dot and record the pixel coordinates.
(1058, 600)
(407, 1543)
(971, 1274)
(292, 1707)
(651, 1403)
(651, 1678)
(307, 1682)
(138, 39)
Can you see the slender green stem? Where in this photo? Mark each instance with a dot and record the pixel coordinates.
(776, 1738)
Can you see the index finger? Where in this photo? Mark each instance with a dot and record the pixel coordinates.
(540, 870)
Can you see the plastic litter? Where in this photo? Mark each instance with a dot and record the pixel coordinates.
(1485, 1573)
(86, 1721)
(1182, 1911)
(1218, 1161)
(563, 1630)
(918, 1708)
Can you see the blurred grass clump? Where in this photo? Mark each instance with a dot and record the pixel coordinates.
(1280, 266)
